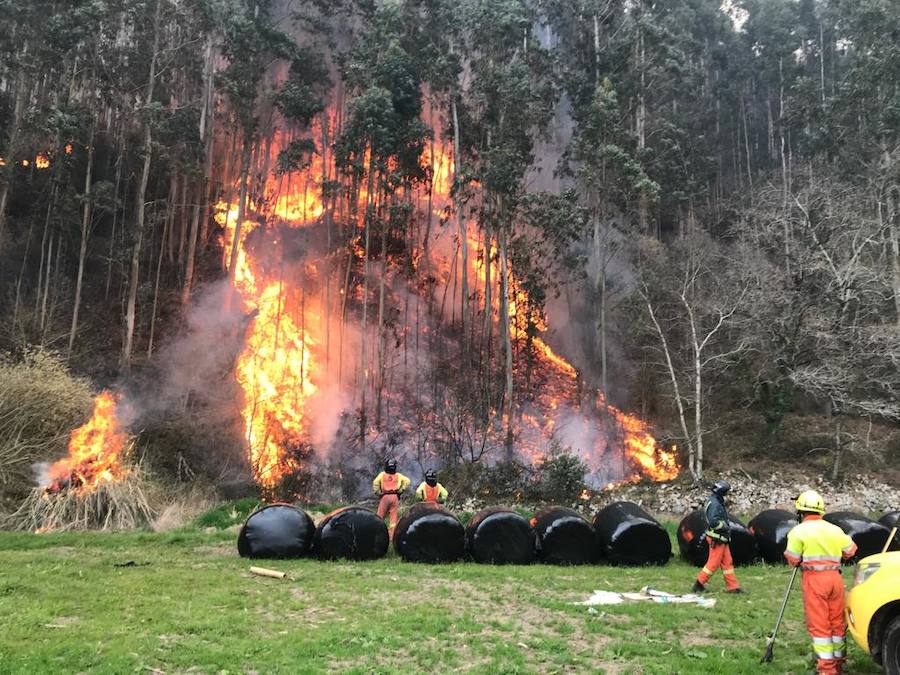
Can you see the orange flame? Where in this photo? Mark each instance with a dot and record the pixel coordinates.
(276, 368)
(95, 450)
(280, 368)
(42, 161)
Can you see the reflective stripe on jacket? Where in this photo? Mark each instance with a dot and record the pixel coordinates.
(390, 483)
(817, 545)
(433, 495)
(717, 517)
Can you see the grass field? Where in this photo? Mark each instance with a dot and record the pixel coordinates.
(189, 604)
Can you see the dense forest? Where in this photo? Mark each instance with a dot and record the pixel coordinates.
(303, 235)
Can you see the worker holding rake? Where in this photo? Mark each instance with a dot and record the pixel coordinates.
(817, 547)
(388, 486)
(718, 537)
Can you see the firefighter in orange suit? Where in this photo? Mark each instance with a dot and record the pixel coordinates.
(718, 537)
(388, 486)
(430, 491)
(818, 547)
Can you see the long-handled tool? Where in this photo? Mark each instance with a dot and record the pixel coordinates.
(889, 539)
(770, 641)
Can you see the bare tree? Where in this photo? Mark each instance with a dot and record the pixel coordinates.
(699, 324)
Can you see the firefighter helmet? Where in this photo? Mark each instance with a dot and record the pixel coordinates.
(721, 487)
(390, 465)
(810, 502)
(431, 477)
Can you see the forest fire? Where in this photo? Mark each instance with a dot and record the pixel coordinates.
(282, 366)
(95, 450)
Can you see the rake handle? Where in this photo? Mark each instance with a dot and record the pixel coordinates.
(770, 642)
(889, 539)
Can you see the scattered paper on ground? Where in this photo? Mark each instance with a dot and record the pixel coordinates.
(646, 594)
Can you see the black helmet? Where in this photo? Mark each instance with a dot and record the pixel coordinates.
(721, 488)
(390, 465)
(431, 477)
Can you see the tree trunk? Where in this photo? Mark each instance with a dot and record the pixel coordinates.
(141, 204)
(9, 159)
(507, 340)
(43, 324)
(679, 403)
(894, 231)
(40, 275)
(380, 336)
(202, 192)
(641, 121)
(112, 236)
(85, 233)
(246, 153)
(785, 179)
(461, 223)
(364, 366)
(167, 234)
(172, 213)
(182, 220)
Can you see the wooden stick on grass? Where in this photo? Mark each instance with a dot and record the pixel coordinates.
(264, 572)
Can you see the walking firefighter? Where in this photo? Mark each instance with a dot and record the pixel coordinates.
(817, 547)
(718, 537)
(388, 486)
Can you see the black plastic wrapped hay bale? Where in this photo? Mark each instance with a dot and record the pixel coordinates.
(565, 537)
(628, 535)
(770, 528)
(431, 534)
(499, 536)
(353, 533)
(276, 531)
(868, 535)
(693, 547)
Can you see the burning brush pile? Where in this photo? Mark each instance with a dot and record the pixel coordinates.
(94, 486)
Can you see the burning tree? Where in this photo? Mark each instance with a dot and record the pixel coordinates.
(93, 487)
(364, 310)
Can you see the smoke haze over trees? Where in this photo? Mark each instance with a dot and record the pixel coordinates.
(692, 206)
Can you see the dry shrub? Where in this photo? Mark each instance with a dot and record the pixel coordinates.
(178, 509)
(120, 505)
(40, 403)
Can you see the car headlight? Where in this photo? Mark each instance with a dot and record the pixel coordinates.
(864, 571)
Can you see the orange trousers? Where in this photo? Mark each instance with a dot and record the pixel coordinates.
(719, 556)
(389, 505)
(823, 604)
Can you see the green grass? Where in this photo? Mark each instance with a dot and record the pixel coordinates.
(190, 603)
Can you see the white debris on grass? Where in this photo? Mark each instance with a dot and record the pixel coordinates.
(645, 594)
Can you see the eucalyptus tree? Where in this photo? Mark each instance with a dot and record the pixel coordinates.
(510, 100)
(382, 142)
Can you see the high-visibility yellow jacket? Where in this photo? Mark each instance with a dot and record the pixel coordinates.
(390, 483)
(436, 494)
(817, 545)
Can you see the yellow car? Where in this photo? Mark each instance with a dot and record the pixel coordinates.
(873, 609)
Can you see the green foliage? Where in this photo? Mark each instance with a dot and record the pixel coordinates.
(303, 95)
(298, 155)
(559, 477)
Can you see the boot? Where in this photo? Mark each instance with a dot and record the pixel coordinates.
(698, 587)
(736, 590)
